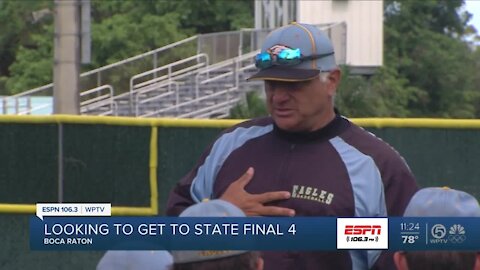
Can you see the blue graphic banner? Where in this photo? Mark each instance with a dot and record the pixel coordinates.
(130, 233)
(225, 233)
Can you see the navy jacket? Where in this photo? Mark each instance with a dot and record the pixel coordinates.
(339, 170)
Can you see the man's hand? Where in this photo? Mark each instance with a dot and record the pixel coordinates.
(253, 204)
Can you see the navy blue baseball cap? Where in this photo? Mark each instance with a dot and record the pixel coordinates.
(310, 41)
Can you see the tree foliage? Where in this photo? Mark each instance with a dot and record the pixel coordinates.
(430, 70)
(252, 106)
(120, 29)
(425, 44)
(17, 36)
(386, 94)
(431, 67)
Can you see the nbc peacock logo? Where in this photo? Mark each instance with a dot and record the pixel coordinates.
(456, 234)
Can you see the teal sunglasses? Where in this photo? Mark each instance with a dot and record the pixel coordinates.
(287, 57)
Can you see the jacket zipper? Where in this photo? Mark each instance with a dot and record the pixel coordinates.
(285, 167)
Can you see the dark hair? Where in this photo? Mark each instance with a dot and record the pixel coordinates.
(438, 260)
(245, 261)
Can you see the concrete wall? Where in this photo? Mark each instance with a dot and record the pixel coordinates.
(364, 20)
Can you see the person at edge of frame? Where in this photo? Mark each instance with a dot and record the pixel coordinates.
(215, 259)
(440, 202)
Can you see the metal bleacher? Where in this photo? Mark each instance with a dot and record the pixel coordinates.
(203, 76)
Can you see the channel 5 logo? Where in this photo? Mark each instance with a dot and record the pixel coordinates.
(362, 233)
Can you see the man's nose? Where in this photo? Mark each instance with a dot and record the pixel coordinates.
(280, 93)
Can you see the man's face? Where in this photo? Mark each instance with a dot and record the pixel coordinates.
(302, 106)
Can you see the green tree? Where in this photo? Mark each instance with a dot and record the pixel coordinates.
(425, 44)
(385, 94)
(120, 29)
(252, 106)
(475, 93)
(429, 67)
(34, 64)
(207, 16)
(18, 30)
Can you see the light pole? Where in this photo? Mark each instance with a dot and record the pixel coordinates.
(66, 57)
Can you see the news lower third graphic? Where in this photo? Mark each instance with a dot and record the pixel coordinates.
(90, 226)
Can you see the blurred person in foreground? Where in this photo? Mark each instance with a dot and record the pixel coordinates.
(305, 159)
(215, 259)
(135, 260)
(440, 202)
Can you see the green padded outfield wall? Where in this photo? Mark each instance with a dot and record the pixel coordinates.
(439, 157)
(28, 162)
(178, 151)
(102, 163)
(105, 163)
(109, 162)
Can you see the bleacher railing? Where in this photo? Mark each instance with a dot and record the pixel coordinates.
(218, 47)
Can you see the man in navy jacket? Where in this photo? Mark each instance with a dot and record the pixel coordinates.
(305, 159)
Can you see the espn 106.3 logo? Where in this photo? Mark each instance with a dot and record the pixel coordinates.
(362, 233)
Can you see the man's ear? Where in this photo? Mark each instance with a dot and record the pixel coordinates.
(400, 260)
(260, 263)
(477, 262)
(334, 81)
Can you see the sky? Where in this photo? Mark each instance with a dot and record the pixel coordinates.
(473, 6)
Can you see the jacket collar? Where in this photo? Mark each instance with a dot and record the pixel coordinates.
(331, 130)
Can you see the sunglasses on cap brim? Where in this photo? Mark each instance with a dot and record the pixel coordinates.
(288, 57)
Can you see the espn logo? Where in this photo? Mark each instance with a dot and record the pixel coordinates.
(363, 229)
(362, 233)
